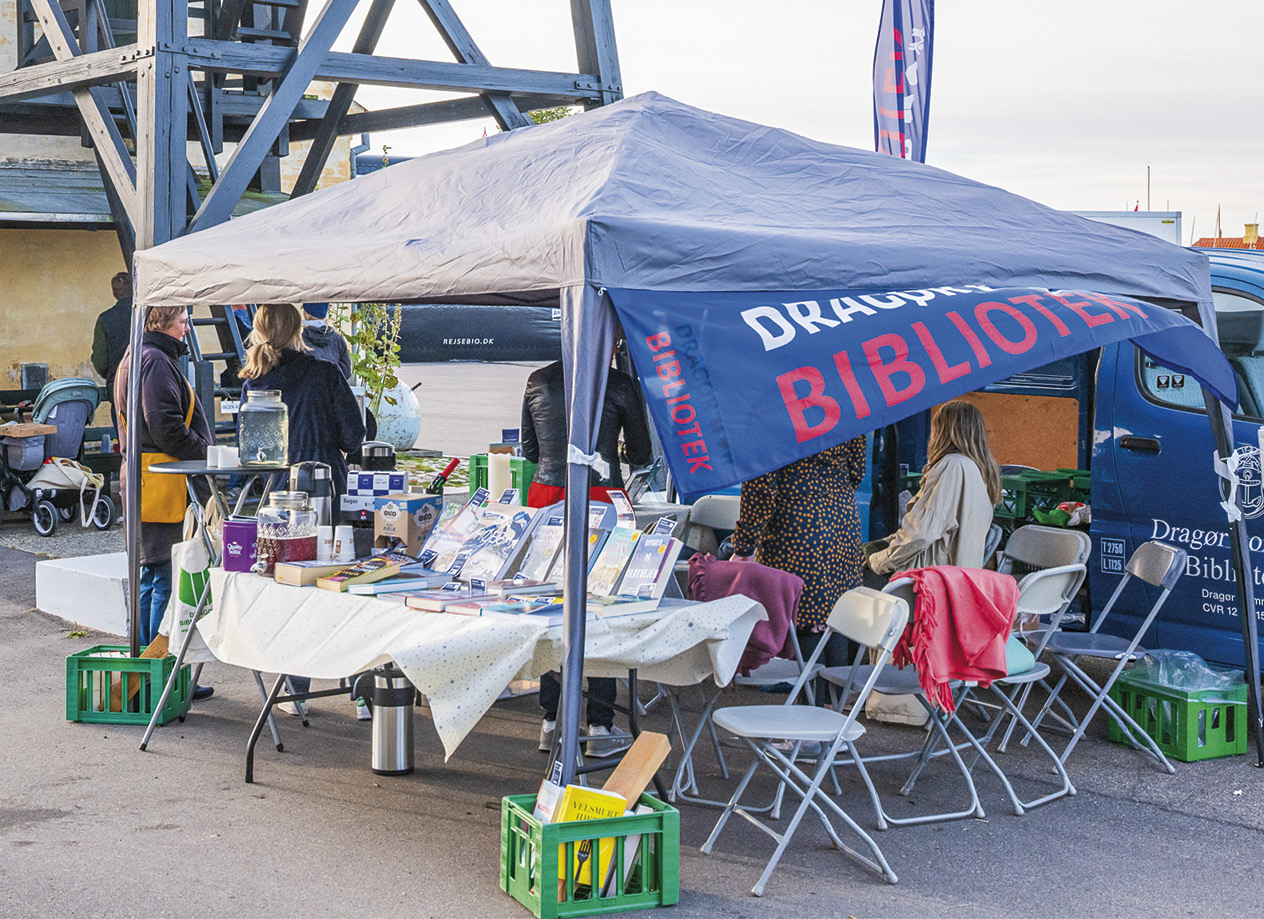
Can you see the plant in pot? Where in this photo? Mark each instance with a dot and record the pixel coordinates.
(372, 334)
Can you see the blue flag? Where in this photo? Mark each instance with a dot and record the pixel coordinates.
(739, 384)
(901, 78)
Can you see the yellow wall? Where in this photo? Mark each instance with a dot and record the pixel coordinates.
(55, 283)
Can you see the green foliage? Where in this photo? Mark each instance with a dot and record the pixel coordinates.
(372, 334)
(545, 115)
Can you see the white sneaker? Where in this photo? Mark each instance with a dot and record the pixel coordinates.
(292, 708)
(547, 729)
(363, 712)
(601, 744)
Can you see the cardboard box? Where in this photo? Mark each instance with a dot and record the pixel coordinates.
(376, 483)
(27, 429)
(407, 516)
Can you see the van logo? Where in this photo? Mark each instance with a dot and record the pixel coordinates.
(1250, 485)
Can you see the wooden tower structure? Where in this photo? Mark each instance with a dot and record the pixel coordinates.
(139, 80)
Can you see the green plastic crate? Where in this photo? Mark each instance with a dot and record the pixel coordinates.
(93, 674)
(1188, 726)
(521, 473)
(529, 860)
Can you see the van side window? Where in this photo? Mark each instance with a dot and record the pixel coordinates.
(1240, 321)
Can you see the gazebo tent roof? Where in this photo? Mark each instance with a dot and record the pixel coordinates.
(649, 193)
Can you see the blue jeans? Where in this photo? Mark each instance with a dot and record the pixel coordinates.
(155, 592)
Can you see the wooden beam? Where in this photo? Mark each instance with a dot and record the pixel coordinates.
(275, 114)
(595, 47)
(340, 104)
(95, 69)
(162, 123)
(463, 48)
(375, 70)
(94, 109)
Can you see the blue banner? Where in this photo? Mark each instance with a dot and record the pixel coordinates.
(739, 384)
(901, 78)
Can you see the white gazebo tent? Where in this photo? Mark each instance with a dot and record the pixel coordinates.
(650, 194)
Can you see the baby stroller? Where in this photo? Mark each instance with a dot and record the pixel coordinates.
(41, 474)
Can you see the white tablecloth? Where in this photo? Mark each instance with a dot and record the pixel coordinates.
(460, 663)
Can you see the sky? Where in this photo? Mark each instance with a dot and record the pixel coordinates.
(1065, 102)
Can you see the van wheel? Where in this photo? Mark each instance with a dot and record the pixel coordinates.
(45, 518)
(103, 516)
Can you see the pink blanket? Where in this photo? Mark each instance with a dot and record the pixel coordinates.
(778, 592)
(960, 624)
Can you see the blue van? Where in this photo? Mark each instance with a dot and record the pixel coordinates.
(1140, 429)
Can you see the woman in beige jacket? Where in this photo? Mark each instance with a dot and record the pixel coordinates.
(947, 522)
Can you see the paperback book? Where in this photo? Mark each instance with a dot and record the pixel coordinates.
(439, 599)
(542, 548)
(652, 563)
(502, 528)
(608, 567)
(377, 568)
(421, 579)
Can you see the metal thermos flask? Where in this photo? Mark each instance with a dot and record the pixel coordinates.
(316, 480)
(393, 697)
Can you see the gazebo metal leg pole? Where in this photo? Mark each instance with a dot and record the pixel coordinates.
(1239, 541)
(175, 670)
(131, 506)
(574, 618)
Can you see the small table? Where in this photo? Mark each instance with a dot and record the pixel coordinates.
(215, 477)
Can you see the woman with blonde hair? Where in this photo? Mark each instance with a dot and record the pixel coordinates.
(325, 422)
(947, 522)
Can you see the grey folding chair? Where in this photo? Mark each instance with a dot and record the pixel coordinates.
(1158, 565)
(873, 619)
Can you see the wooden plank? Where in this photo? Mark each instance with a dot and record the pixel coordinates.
(93, 108)
(637, 768)
(463, 48)
(274, 115)
(595, 46)
(95, 69)
(162, 124)
(376, 70)
(327, 133)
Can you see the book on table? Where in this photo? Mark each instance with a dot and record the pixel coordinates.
(518, 586)
(496, 542)
(305, 574)
(596, 539)
(366, 571)
(608, 567)
(542, 548)
(652, 564)
(418, 579)
(439, 599)
(455, 527)
(610, 607)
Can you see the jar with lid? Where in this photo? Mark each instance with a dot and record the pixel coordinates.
(263, 429)
(286, 531)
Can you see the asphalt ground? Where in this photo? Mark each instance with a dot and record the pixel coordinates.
(90, 826)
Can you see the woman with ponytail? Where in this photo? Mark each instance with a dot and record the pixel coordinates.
(325, 422)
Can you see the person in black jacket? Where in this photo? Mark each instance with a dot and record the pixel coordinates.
(323, 340)
(111, 335)
(544, 441)
(165, 398)
(544, 433)
(324, 417)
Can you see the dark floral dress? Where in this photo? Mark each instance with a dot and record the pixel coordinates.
(802, 519)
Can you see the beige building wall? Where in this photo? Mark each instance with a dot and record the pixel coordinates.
(56, 282)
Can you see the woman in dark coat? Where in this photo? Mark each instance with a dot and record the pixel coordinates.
(165, 400)
(324, 418)
(802, 519)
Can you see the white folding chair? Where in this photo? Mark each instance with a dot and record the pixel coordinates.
(936, 743)
(684, 785)
(873, 619)
(1158, 565)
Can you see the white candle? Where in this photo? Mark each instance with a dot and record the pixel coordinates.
(499, 474)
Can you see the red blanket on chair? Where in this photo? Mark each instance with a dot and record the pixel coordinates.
(959, 627)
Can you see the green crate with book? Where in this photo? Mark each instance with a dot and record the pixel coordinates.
(637, 856)
(104, 684)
